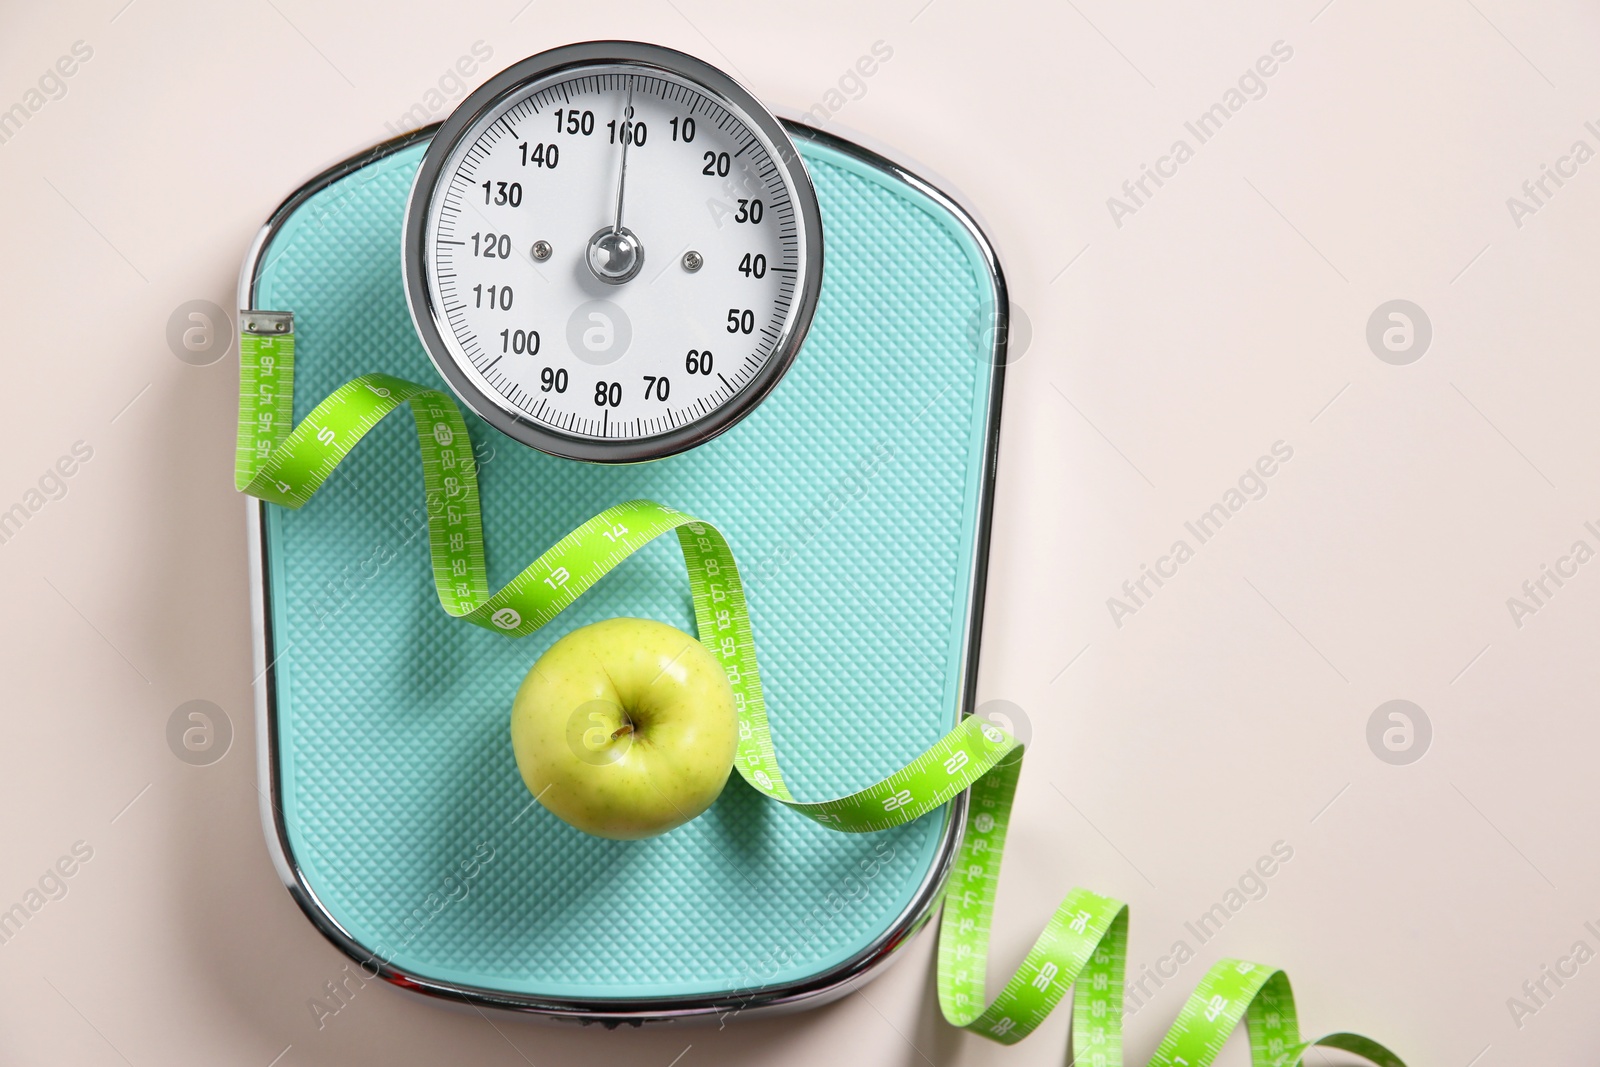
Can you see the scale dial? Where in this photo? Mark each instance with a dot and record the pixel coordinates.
(612, 251)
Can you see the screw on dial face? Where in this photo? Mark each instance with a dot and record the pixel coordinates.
(612, 252)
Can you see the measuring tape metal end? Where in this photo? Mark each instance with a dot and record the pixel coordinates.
(266, 323)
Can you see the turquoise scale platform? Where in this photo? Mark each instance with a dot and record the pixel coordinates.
(856, 499)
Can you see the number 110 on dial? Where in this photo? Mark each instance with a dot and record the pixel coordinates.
(612, 252)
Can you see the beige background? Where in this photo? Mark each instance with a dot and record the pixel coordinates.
(1168, 353)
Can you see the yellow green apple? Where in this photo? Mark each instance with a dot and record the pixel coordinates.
(625, 728)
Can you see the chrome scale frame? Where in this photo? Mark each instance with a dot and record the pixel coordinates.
(810, 992)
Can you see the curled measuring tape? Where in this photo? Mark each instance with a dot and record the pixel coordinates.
(1085, 942)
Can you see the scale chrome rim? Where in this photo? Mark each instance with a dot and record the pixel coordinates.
(429, 319)
(813, 991)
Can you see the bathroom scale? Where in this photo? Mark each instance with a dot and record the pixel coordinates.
(847, 453)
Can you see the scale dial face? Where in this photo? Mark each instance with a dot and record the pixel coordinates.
(612, 251)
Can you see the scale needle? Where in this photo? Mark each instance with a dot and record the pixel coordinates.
(626, 134)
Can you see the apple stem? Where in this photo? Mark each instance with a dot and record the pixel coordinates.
(625, 728)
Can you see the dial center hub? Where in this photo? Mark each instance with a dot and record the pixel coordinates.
(615, 256)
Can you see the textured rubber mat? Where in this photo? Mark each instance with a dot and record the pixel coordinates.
(852, 496)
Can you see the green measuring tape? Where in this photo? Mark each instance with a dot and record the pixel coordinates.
(1085, 942)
